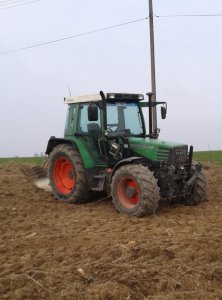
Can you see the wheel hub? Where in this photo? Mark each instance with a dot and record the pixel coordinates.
(130, 192)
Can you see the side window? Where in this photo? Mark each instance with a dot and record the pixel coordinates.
(70, 119)
(84, 125)
(112, 116)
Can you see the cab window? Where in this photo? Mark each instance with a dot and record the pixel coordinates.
(84, 125)
(70, 119)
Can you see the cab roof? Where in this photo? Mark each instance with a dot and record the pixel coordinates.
(109, 96)
(86, 98)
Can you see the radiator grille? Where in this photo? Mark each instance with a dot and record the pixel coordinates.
(162, 154)
(180, 154)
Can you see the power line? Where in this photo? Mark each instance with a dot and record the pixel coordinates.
(72, 37)
(4, 3)
(178, 16)
(19, 4)
(99, 30)
(9, 2)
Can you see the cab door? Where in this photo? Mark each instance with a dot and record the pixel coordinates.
(90, 132)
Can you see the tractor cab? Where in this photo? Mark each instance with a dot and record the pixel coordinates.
(105, 123)
(115, 115)
(98, 119)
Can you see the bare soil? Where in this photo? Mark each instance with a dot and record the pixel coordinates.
(53, 250)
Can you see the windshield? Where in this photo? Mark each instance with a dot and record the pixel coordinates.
(124, 118)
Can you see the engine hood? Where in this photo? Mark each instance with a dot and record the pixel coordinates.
(153, 149)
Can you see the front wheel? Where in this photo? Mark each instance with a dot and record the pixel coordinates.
(199, 189)
(134, 190)
(67, 174)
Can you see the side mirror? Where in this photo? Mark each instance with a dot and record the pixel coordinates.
(93, 112)
(163, 112)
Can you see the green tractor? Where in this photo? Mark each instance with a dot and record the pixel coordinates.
(106, 148)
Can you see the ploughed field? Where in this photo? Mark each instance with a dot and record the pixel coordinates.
(52, 250)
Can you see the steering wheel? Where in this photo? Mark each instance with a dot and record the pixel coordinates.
(109, 127)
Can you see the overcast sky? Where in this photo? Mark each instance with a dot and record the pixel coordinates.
(35, 81)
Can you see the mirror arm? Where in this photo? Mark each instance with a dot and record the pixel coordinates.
(157, 103)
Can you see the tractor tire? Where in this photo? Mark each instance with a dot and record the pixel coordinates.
(135, 191)
(199, 189)
(67, 174)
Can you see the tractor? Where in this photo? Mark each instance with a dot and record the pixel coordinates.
(106, 148)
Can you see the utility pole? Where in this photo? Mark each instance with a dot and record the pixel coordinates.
(153, 71)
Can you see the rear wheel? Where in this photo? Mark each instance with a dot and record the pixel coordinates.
(67, 174)
(134, 190)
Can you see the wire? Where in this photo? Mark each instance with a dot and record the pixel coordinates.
(72, 36)
(97, 30)
(6, 1)
(178, 16)
(10, 2)
(19, 4)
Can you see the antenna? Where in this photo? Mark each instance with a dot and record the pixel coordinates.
(70, 94)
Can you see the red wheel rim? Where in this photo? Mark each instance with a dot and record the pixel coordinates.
(128, 192)
(64, 176)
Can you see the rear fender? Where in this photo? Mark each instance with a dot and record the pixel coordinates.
(84, 153)
(53, 142)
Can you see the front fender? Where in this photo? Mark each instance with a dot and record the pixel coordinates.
(123, 162)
